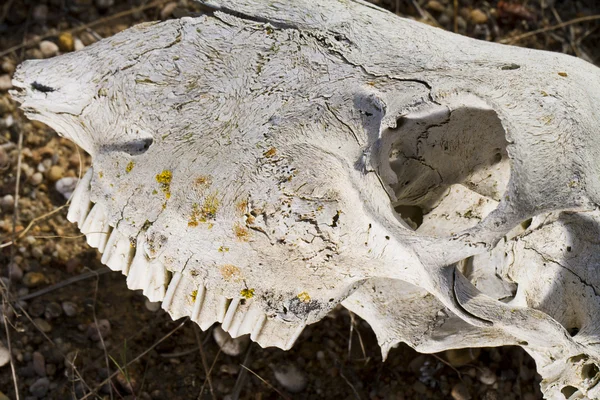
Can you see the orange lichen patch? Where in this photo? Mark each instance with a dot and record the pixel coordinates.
(164, 179)
(208, 210)
(203, 181)
(129, 167)
(193, 222)
(271, 152)
(304, 297)
(247, 293)
(230, 272)
(210, 207)
(241, 233)
(241, 207)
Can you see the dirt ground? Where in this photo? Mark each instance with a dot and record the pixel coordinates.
(58, 302)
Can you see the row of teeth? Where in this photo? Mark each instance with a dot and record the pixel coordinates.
(179, 294)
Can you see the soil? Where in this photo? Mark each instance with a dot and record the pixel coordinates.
(67, 341)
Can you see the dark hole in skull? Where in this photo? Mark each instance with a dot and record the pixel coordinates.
(448, 170)
(568, 391)
(589, 371)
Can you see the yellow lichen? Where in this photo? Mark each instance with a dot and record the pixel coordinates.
(223, 249)
(304, 297)
(247, 293)
(164, 179)
(100, 174)
(129, 167)
(563, 74)
(193, 295)
(240, 232)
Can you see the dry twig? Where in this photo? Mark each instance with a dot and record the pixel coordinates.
(550, 28)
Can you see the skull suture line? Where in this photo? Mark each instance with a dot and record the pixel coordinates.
(444, 189)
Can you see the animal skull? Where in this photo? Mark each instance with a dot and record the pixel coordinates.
(259, 165)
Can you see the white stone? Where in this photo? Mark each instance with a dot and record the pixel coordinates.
(230, 346)
(290, 377)
(66, 186)
(4, 355)
(5, 82)
(48, 48)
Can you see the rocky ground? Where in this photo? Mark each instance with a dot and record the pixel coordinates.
(77, 332)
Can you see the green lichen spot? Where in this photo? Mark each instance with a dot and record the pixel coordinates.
(129, 167)
(247, 293)
(164, 179)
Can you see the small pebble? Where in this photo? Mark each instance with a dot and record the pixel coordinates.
(101, 331)
(460, 392)
(153, 306)
(4, 355)
(8, 66)
(78, 45)
(42, 325)
(419, 387)
(127, 383)
(104, 4)
(34, 279)
(7, 202)
(4, 159)
(460, 357)
(167, 10)
(15, 272)
(231, 347)
(36, 308)
(486, 376)
(478, 17)
(230, 369)
(290, 377)
(66, 186)
(40, 387)
(69, 308)
(37, 178)
(34, 54)
(48, 48)
(50, 369)
(66, 42)
(55, 173)
(53, 310)
(5, 82)
(436, 6)
(40, 13)
(39, 363)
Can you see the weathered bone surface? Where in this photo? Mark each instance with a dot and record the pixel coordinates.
(260, 165)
